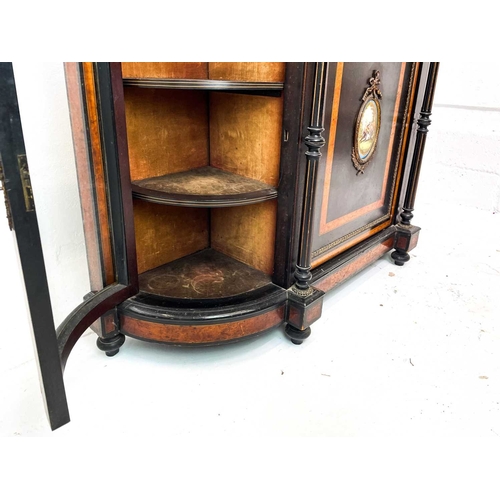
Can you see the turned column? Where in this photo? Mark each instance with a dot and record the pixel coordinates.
(407, 235)
(304, 301)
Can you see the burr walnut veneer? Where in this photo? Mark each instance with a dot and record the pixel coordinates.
(246, 200)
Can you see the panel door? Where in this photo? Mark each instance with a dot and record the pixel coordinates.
(34, 232)
(366, 124)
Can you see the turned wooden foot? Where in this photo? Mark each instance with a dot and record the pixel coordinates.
(406, 240)
(400, 257)
(111, 345)
(295, 335)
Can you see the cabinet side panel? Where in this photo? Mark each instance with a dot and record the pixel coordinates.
(247, 233)
(82, 157)
(167, 131)
(245, 135)
(188, 70)
(90, 170)
(247, 71)
(165, 233)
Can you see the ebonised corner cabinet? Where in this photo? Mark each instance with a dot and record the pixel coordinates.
(221, 200)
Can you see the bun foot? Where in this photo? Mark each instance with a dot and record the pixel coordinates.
(111, 345)
(295, 335)
(399, 257)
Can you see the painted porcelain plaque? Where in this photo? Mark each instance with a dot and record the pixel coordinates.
(367, 126)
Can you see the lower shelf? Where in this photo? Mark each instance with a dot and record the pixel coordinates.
(203, 299)
(204, 275)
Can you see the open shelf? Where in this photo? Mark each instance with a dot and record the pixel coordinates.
(204, 143)
(204, 275)
(203, 187)
(184, 84)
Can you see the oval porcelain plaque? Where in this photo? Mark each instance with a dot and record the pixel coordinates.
(367, 130)
(367, 125)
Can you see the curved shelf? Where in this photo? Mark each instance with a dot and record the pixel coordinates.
(162, 83)
(204, 275)
(203, 187)
(205, 298)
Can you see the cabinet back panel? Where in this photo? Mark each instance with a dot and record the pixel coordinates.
(245, 135)
(247, 71)
(165, 233)
(194, 70)
(247, 233)
(167, 131)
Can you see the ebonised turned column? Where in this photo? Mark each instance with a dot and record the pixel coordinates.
(407, 233)
(304, 301)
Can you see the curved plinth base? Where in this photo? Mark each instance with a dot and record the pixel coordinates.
(112, 345)
(208, 322)
(201, 334)
(297, 336)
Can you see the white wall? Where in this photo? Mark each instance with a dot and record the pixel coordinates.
(464, 138)
(41, 90)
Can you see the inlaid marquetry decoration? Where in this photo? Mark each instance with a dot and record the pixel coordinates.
(367, 125)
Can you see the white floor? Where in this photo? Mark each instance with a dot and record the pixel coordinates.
(409, 351)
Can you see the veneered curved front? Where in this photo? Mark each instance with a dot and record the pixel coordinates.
(201, 334)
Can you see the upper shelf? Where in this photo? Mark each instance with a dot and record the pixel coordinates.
(222, 85)
(203, 187)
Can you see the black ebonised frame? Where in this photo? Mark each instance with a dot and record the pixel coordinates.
(27, 234)
(53, 348)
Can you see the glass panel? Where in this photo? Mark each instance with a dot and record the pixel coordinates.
(65, 165)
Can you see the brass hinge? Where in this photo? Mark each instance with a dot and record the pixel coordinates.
(2, 188)
(22, 161)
